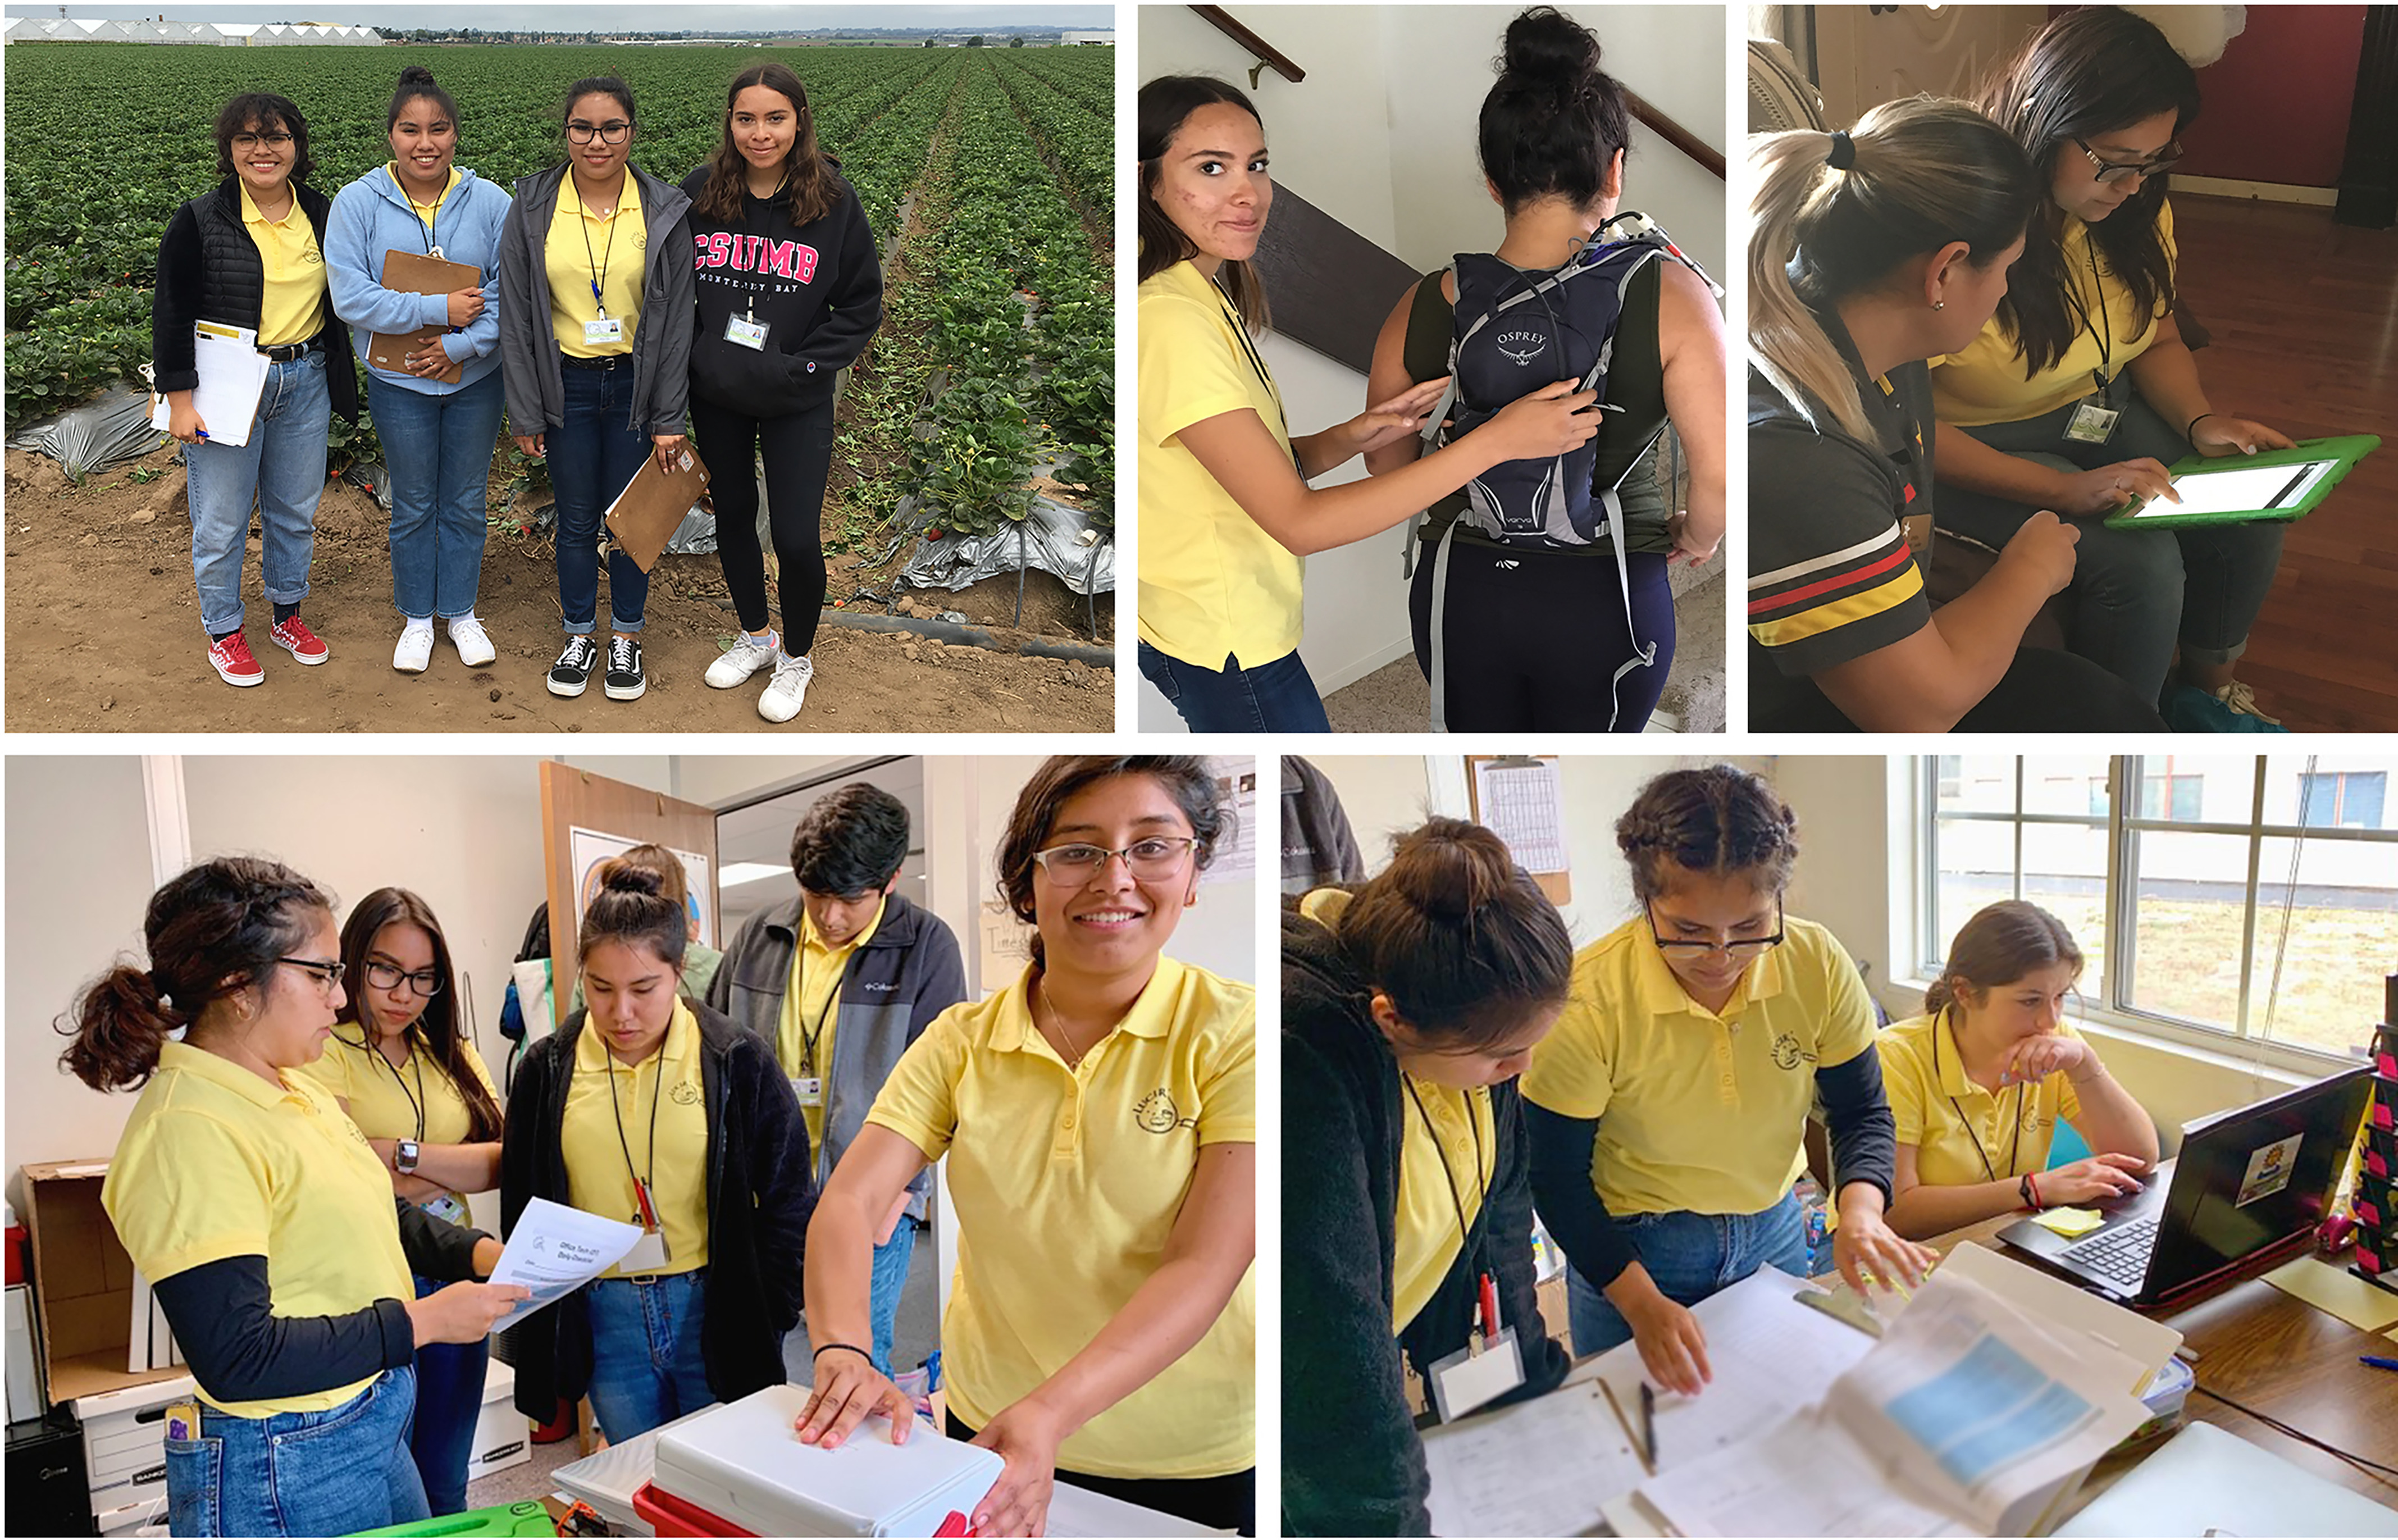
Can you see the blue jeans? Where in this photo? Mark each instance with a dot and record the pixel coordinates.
(448, 1399)
(1271, 698)
(646, 1364)
(300, 1472)
(437, 451)
(890, 1276)
(2134, 592)
(592, 456)
(1690, 1256)
(282, 469)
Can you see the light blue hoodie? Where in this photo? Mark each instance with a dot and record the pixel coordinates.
(372, 217)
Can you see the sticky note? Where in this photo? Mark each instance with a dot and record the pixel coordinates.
(2069, 1223)
(2335, 1291)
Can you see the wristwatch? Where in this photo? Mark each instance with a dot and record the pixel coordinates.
(2023, 1190)
(404, 1160)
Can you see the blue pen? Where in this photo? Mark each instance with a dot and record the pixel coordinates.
(2377, 1363)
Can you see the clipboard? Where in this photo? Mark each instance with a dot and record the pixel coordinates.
(2304, 486)
(1556, 882)
(419, 272)
(645, 515)
(232, 375)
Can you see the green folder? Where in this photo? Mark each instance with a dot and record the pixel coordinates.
(2276, 484)
(509, 1518)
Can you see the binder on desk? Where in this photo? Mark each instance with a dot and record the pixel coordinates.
(418, 273)
(645, 515)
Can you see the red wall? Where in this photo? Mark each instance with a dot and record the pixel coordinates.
(2276, 104)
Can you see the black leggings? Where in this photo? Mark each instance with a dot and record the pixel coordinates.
(1216, 1502)
(2042, 691)
(1531, 639)
(799, 454)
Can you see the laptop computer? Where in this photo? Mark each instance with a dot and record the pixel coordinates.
(2250, 1183)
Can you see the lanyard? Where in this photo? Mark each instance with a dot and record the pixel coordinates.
(1257, 364)
(2014, 1141)
(432, 221)
(2103, 335)
(808, 1040)
(750, 310)
(641, 1182)
(415, 1101)
(600, 264)
(1910, 447)
(1481, 1188)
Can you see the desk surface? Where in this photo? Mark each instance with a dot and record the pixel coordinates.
(2284, 1357)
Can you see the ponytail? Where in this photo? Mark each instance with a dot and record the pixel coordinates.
(119, 1024)
(1847, 209)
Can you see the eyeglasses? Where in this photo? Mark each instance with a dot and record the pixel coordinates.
(615, 131)
(252, 142)
(1151, 859)
(1742, 951)
(327, 974)
(425, 983)
(2112, 170)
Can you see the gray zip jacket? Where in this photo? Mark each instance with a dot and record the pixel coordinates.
(661, 338)
(907, 973)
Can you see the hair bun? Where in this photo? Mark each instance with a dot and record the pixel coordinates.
(416, 75)
(623, 876)
(1543, 44)
(1450, 868)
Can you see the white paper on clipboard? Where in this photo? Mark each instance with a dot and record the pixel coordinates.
(1521, 802)
(233, 373)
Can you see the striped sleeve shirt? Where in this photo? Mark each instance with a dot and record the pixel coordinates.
(1831, 577)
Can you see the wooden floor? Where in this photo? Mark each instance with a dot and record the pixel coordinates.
(2304, 318)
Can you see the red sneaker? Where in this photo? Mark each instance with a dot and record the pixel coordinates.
(294, 637)
(233, 664)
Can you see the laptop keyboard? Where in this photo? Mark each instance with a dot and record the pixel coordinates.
(2119, 1255)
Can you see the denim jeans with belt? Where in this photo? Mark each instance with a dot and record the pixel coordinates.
(437, 451)
(282, 469)
(2134, 592)
(1688, 1257)
(1271, 697)
(647, 1368)
(300, 1472)
(592, 456)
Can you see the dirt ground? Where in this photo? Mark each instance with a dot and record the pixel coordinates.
(103, 635)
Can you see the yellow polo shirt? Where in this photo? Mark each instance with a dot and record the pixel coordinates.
(1956, 1124)
(1067, 1184)
(596, 1137)
(1984, 384)
(1213, 583)
(1700, 1111)
(1460, 1146)
(294, 308)
(384, 1102)
(216, 1163)
(578, 253)
(810, 1004)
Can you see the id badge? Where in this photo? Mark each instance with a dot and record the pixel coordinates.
(809, 1088)
(446, 1208)
(606, 329)
(2092, 424)
(184, 1423)
(1917, 530)
(648, 1254)
(745, 332)
(1476, 1376)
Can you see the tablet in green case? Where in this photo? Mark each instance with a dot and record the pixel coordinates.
(2246, 489)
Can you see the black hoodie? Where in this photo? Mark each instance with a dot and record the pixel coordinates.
(818, 288)
(1352, 1461)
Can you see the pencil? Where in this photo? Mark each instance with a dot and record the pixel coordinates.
(1625, 1422)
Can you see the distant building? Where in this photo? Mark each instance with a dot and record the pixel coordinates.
(1071, 38)
(223, 35)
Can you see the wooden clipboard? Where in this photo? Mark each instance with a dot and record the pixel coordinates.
(419, 272)
(645, 515)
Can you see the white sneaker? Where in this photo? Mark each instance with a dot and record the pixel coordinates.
(788, 689)
(746, 656)
(415, 649)
(474, 648)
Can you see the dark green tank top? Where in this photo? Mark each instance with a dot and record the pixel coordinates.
(1635, 381)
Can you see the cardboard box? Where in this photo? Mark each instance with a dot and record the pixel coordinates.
(503, 1434)
(83, 1283)
(125, 1444)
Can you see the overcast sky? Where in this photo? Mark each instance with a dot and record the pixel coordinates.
(401, 15)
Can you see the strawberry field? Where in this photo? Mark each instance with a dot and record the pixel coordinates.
(985, 174)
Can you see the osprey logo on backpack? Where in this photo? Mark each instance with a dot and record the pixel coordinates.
(1522, 346)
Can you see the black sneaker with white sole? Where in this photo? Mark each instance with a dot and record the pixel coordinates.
(573, 671)
(625, 680)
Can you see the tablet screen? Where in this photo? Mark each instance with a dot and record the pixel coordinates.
(2250, 489)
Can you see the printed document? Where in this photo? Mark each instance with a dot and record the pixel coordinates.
(554, 1249)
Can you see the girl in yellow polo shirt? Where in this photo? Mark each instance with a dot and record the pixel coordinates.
(1100, 1118)
(262, 1219)
(2080, 391)
(1226, 513)
(402, 1065)
(1979, 1082)
(1409, 1008)
(1668, 1111)
(650, 1109)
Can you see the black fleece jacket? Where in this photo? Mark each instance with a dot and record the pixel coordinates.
(209, 270)
(818, 288)
(1352, 1461)
(759, 1197)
